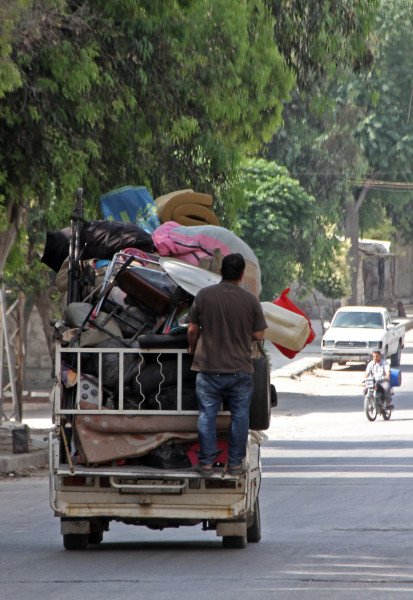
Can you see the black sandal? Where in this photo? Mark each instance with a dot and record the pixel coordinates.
(205, 470)
(236, 470)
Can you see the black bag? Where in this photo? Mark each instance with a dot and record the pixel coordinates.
(56, 249)
(166, 457)
(260, 408)
(98, 239)
(163, 340)
(110, 363)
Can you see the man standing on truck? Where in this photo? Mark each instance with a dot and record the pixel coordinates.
(224, 320)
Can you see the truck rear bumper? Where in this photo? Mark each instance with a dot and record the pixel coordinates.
(147, 497)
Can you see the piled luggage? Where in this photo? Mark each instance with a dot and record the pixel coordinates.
(126, 290)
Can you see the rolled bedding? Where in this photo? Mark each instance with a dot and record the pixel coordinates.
(285, 328)
(186, 207)
(192, 244)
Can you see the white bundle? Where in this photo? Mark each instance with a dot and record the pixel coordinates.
(285, 328)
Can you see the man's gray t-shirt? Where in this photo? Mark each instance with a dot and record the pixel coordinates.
(227, 315)
(377, 370)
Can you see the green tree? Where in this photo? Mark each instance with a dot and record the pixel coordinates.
(168, 94)
(109, 93)
(11, 12)
(318, 143)
(331, 275)
(283, 226)
(386, 131)
(317, 39)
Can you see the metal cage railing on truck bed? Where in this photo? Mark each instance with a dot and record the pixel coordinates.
(67, 400)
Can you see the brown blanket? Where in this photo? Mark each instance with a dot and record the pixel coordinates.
(186, 207)
(110, 437)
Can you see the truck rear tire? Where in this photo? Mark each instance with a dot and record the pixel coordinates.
(96, 537)
(234, 541)
(327, 364)
(260, 409)
(75, 541)
(254, 528)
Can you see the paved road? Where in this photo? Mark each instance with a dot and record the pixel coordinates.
(337, 517)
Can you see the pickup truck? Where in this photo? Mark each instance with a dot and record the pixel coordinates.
(124, 445)
(356, 331)
(88, 493)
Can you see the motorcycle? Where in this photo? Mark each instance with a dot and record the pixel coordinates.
(375, 400)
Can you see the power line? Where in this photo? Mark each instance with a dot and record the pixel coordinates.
(385, 185)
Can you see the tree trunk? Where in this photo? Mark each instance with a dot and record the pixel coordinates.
(352, 232)
(352, 228)
(15, 214)
(320, 314)
(45, 308)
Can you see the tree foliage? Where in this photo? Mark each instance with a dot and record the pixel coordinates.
(280, 223)
(107, 93)
(385, 134)
(167, 94)
(324, 43)
(331, 275)
(323, 154)
(319, 38)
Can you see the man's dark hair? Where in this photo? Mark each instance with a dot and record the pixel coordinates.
(233, 266)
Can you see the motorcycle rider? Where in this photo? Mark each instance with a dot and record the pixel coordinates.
(380, 370)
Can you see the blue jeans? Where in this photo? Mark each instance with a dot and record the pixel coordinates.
(211, 390)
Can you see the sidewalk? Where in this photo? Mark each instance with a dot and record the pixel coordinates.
(37, 415)
(38, 419)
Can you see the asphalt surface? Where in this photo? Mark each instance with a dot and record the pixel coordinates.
(336, 516)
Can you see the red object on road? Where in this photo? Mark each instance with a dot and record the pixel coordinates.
(286, 303)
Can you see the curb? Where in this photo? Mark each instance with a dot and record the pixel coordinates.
(302, 365)
(42, 398)
(314, 365)
(10, 463)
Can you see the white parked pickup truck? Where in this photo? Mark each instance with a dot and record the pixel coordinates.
(356, 331)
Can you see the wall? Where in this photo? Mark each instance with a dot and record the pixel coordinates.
(38, 360)
(403, 285)
(379, 279)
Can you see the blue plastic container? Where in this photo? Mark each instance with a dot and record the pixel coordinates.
(395, 377)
